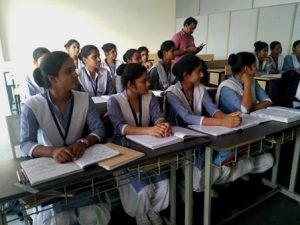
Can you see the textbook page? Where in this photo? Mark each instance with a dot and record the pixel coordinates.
(184, 133)
(154, 142)
(273, 75)
(99, 99)
(95, 154)
(44, 169)
(277, 115)
(284, 109)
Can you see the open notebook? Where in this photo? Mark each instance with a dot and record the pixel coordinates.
(152, 142)
(44, 169)
(277, 113)
(126, 155)
(247, 121)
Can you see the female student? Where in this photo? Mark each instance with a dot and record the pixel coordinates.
(92, 78)
(186, 102)
(292, 61)
(276, 57)
(241, 92)
(73, 47)
(38, 54)
(130, 56)
(51, 126)
(263, 62)
(132, 112)
(161, 76)
(145, 57)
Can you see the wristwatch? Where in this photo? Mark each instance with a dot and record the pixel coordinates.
(84, 141)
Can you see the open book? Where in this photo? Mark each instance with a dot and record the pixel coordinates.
(152, 142)
(44, 169)
(126, 155)
(277, 113)
(247, 121)
(100, 99)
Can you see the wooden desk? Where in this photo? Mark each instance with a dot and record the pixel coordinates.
(265, 81)
(216, 76)
(247, 136)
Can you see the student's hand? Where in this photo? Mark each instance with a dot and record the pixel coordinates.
(247, 79)
(78, 150)
(62, 155)
(232, 120)
(158, 130)
(167, 127)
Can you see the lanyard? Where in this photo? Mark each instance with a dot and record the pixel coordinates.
(95, 87)
(191, 103)
(112, 69)
(276, 62)
(64, 137)
(137, 123)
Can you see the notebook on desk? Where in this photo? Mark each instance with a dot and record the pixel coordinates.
(152, 142)
(247, 121)
(277, 113)
(43, 169)
(126, 155)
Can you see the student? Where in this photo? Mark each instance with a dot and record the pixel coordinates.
(130, 56)
(276, 57)
(73, 47)
(132, 112)
(51, 126)
(161, 76)
(38, 54)
(145, 57)
(111, 63)
(186, 102)
(92, 78)
(263, 62)
(292, 61)
(184, 41)
(241, 92)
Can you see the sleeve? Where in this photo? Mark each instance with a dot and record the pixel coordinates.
(31, 88)
(261, 95)
(119, 86)
(94, 121)
(156, 113)
(210, 107)
(116, 116)
(176, 40)
(154, 79)
(230, 100)
(186, 116)
(109, 85)
(29, 131)
(288, 63)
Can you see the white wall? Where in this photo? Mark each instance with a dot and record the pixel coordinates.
(234, 25)
(128, 23)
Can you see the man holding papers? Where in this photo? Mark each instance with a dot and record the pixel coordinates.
(51, 126)
(131, 112)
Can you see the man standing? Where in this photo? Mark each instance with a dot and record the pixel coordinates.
(184, 41)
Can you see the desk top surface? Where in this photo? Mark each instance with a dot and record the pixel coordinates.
(216, 70)
(8, 169)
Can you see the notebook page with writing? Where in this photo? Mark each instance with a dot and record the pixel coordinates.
(44, 169)
(95, 154)
(212, 130)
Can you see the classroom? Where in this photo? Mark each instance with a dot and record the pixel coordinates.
(241, 128)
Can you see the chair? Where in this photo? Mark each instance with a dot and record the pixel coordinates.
(13, 127)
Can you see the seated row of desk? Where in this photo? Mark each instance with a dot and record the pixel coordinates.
(272, 130)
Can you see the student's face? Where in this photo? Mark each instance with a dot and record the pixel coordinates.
(141, 85)
(297, 49)
(262, 54)
(277, 50)
(67, 77)
(136, 58)
(195, 76)
(144, 56)
(169, 55)
(112, 54)
(190, 28)
(73, 50)
(93, 60)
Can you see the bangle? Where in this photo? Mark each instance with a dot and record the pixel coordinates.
(84, 141)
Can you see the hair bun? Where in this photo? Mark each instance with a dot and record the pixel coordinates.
(38, 77)
(232, 60)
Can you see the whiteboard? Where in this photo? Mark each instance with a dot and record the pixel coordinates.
(296, 30)
(242, 31)
(275, 25)
(218, 28)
